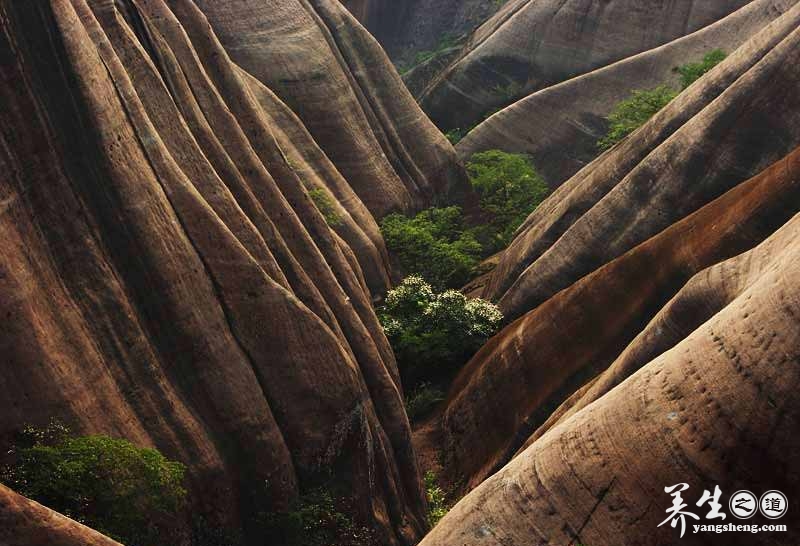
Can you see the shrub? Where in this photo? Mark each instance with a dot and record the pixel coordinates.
(422, 400)
(437, 499)
(433, 244)
(692, 72)
(325, 205)
(510, 189)
(129, 493)
(434, 334)
(634, 112)
(314, 520)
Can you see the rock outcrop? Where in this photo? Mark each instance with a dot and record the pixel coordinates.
(714, 406)
(166, 275)
(687, 155)
(531, 45)
(406, 27)
(27, 523)
(559, 127)
(658, 331)
(505, 397)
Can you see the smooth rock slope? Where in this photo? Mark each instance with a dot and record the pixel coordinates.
(166, 276)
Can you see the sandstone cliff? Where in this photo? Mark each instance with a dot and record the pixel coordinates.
(531, 45)
(559, 126)
(166, 276)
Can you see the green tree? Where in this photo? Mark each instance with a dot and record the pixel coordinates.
(437, 499)
(433, 244)
(691, 72)
(510, 189)
(129, 493)
(634, 112)
(433, 334)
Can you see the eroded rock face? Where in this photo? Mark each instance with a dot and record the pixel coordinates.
(687, 155)
(657, 343)
(405, 27)
(718, 407)
(27, 523)
(559, 127)
(607, 322)
(531, 45)
(166, 276)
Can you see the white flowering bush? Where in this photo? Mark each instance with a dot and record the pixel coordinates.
(434, 334)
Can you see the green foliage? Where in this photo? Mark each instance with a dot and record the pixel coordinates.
(433, 244)
(510, 189)
(325, 205)
(456, 135)
(129, 493)
(634, 112)
(314, 520)
(422, 400)
(433, 334)
(437, 499)
(692, 72)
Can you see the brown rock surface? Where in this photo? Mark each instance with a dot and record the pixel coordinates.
(405, 27)
(531, 45)
(559, 127)
(165, 276)
(27, 523)
(513, 384)
(693, 151)
(719, 407)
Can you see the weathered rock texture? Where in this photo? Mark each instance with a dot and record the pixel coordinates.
(165, 276)
(531, 45)
(27, 523)
(516, 381)
(559, 127)
(717, 405)
(659, 332)
(405, 27)
(693, 151)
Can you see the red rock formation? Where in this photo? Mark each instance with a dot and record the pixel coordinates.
(559, 126)
(165, 275)
(687, 155)
(718, 408)
(27, 523)
(513, 384)
(531, 45)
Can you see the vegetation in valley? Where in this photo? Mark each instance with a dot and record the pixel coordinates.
(434, 333)
(510, 189)
(129, 493)
(633, 112)
(437, 499)
(437, 243)
(422, 400)
(315, 519)
(448, 41)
